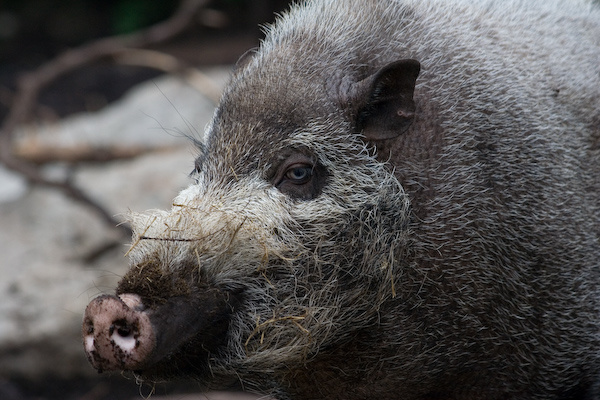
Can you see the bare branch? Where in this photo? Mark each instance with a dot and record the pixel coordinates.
(43, 154)
(30, 84)
(171, 64)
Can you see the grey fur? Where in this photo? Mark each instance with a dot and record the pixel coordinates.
(460, 260)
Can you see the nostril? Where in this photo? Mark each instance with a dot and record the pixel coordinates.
(89, 326)
(122, 334)
(122, 328)
(124, 331)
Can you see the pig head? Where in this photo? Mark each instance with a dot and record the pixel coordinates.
(288, 241)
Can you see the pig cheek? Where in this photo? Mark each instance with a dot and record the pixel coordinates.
(115, 336)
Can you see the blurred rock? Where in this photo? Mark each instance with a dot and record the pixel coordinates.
(56, 254)
(159, 112)
(12, 186)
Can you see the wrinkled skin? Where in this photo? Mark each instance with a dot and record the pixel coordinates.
(392, 201)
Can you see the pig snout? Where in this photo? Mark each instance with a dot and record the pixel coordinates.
(117, 333)
(125, 332)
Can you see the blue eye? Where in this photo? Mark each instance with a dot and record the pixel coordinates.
(300, 177)
(299, 174)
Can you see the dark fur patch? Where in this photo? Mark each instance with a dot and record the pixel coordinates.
(152, 284)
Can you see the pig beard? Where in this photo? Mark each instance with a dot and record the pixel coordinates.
(311, 273)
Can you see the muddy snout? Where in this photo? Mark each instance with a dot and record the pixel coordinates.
(117, 333)
(123, 333)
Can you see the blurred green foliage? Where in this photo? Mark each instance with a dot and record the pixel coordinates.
(131, 15)
(34, 30)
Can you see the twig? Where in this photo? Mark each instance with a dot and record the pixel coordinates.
(171, 64)
(30, 84)
(42, 154)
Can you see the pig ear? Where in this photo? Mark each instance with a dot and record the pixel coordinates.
(385, 100)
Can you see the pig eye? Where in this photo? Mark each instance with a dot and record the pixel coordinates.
(300, 177)
(299, 174)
